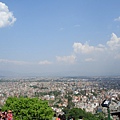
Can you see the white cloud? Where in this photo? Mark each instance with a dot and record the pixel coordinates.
(67, 59)
(108, 52)
(6, 17)
(86, 48)
(117, 19)
(114, 42)
(45, 62)
(14, 62)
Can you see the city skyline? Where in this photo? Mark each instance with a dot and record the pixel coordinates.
(60, 37)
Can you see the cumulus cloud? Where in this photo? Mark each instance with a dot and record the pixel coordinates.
(67, 59)
(14, 62)
(109, 51)
(6, 17)
(114, 42)
(89, 53)
(86, 48)
(45, 62)
(117, 19)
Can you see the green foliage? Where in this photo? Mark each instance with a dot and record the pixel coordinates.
(100, 115)
(70, 103)
(28, 108)
(76, 112)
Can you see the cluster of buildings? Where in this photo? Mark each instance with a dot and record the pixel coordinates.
(84, 93)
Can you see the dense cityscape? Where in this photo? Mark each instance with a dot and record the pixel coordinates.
(84, 92)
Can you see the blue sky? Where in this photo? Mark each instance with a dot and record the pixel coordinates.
(60, 37)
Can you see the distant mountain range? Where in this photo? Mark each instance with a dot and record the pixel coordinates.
(67, 73)
(14, 74)
(7, 73)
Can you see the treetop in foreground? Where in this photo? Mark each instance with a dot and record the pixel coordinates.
(28, 108)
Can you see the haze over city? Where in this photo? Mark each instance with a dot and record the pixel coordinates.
(60, 37)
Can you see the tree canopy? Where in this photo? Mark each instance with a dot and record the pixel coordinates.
(28, 108)
(77, 112)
